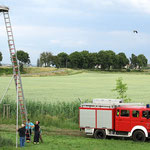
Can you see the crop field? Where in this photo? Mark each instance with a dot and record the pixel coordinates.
(55, 98)
(85, 86)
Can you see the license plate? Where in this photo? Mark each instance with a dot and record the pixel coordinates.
(89, 130)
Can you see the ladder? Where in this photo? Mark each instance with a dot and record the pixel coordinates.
(15, 64)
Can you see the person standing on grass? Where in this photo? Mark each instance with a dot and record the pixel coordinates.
(40, 133)
(36, 132)
(29, 127)
(22, 131)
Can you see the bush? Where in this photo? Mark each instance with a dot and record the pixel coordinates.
(59, 114)
(5, 142)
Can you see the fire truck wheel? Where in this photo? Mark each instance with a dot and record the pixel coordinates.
(139, 136)
(100, 134)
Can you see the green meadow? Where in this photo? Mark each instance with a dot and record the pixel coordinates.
(68, 142)
(86, 86)
(54, 101)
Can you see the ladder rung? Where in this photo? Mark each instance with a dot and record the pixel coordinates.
(7, 22)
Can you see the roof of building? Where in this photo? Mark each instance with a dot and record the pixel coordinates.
(4, 9)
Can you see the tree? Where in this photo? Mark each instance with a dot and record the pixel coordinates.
(46, 58)
(63, 59)
(1, 57)
(142, 61)
(121, 89)
(122, 60)
(106, 59)
(134, 61)
(23, 58)
(93, 60)
(102, 59)
(85, 59)
(76, 60)
(111, 56)
(55, 61)
(38, 63)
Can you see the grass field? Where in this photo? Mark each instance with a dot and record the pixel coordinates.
(68, 142)
(87, 85)
(68, 88)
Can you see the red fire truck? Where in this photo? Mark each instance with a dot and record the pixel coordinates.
(106, 117)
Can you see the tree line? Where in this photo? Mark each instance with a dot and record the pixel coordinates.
(23, 58)
(104, 59)
(1, 58)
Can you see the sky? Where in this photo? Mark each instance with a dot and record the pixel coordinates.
(75, 25)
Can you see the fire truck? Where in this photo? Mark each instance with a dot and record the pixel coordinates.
(112, 117)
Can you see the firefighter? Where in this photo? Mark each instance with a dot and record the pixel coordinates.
(40, 133)
(22, 131)
(117, 112)
(36, 133)
(147, 114)
(137, 113)
(29, 127)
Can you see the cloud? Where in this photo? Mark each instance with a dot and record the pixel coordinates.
(36, 39)
(54, 41)
(28, 36)
(69, 25)
(142, 6)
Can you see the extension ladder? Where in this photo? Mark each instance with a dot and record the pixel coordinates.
(15, 65)
(16, 71)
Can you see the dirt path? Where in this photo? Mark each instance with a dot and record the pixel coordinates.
(45, 130)
(49, 73)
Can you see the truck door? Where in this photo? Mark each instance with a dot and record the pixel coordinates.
(135, 118)
(145, 119)
(123, 121)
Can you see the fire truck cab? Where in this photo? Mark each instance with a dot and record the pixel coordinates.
(109, 117)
